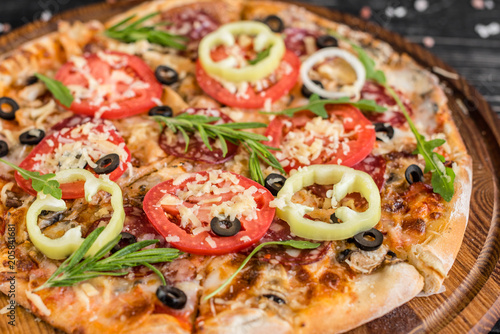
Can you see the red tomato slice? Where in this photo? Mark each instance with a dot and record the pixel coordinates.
(110, 85)
(345, 138)
(174, 144)
(164, 202)
(288, 71)
(97, 138)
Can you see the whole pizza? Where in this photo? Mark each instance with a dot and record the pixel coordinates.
(223, 166)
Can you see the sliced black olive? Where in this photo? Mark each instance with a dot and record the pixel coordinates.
(344, 255)
(274, 182)
(4, 148)
(413, 174)
(388, 129)
(306, 92)
(8, 112)
(326, 41)
(225, 227)
(107, 163)
(274, 23)
(166, 75)
(126, 239)
(31, 80)
(31, 137)
(390, 256)
(369, 240)
(171, 296)
(334, 219)
(276, 299)
(164, 111)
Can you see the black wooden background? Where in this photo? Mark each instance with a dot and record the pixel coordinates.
(465, 34)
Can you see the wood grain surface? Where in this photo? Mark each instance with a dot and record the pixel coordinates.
(471, 301)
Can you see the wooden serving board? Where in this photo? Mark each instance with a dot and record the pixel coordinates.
(471, 302)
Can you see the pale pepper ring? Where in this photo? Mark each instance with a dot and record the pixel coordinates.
(346, 180)
(64, 246)
(225, 35)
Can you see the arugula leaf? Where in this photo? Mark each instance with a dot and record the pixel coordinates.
(39, 182)
(299, 244)
(317, 106)
(61, 93)
(260, 56)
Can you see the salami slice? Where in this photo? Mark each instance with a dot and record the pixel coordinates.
(375, 166)
(376, 92)
(174, 144)
(294, 39)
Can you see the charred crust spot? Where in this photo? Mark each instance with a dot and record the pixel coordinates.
(414, 224)
(397, 205)
(303, 275)
(330, 279)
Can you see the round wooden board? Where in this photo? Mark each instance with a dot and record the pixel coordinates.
(471, 302)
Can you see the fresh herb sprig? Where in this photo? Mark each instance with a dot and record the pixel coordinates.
(298, 244)
(135, 32)
(73, 270)
(443, 178)
(252, 142)
(43, 183)
(317, 106)
(60, 92)
(260, 56)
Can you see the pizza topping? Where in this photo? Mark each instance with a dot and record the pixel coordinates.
(166, 75)
(386, 129)
(276, 299)
(60, 92)
(375, 166)
(413, 174)
(182, 210)
(300, 41)
(369, 240)
(164, 111)
(274, 23)
(125, 240)
(234, 68)
(225, 227)
(107, 164)
(365, 262)
(326, 41)
(171, 296)
(4, 148)
(306, 92)
(346, 181)
(62, 247)
(31, 137)
(8, 108)
(325, 65)
(274, 182)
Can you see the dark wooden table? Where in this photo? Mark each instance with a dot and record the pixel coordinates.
(456, 31)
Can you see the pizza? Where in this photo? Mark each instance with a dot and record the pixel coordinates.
(224, 167)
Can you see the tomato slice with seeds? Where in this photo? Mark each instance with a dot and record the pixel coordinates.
(345, 138)
(286, 74)
(181, 211)
(78, 146)
(110, 85)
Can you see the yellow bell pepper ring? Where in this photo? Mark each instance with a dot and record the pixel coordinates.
(64, 246)
(346, 180)
(225, 35)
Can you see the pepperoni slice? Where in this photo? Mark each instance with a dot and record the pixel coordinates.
(294, 39)
(174, 144)
(376, 92)
(280, 231)
(375, 166)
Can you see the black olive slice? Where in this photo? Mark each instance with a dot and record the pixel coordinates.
(225, 227)
(326, 41)
(31, 80)
(126, 239)
(388, 129)
(369, 240)
(306, 92)
(274, 182)
(171, 296)
(8, 112)
(276, 299)
(344, 255)
(274, 23)
(334, 219)
(107, 163)
(31, 137)
(166, 75)
(390, 256)
(4, 148)
(164, 111)
(413, 174)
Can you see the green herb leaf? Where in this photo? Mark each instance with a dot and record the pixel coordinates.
(232, 132)
(61, 93)
(317, 106)
(260, 56)
(299, 244)
(369, 64)
(73, 270)
(134, 32)
(39, 182)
